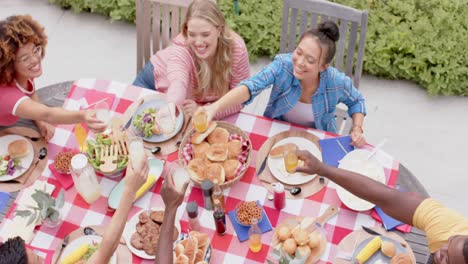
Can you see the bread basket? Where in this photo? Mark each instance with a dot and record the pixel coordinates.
(232, 129)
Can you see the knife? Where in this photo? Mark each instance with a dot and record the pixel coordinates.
(375, 233)
(129, 122)
(262, 166)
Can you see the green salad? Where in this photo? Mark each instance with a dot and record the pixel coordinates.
(95, 149)
(145, 121)
(8, 166)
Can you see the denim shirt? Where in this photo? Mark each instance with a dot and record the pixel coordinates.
(334, 88)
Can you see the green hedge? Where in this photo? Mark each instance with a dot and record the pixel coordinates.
(419, 40)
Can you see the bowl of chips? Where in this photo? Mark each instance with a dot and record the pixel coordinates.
(247, 211)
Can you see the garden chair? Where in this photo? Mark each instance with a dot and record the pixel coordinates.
(157, 22)
(299, 15)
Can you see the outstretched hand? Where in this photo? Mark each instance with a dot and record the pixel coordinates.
(136, 174)
(96, 125)
(311, 164)
(171, 197)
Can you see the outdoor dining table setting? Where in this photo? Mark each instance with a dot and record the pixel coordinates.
(249, 204)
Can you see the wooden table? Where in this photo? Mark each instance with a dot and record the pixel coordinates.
(54, 95)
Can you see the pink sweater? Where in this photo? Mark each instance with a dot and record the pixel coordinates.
(176, 63)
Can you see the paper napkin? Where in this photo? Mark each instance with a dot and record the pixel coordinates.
(4, 196)
(331, 150)
(243, 231)
(65, 180)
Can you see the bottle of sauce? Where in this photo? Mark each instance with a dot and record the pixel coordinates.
(279, 199)
(218, 194)
(207, 189)
(219, 218)
(255, 236)
(192, 211)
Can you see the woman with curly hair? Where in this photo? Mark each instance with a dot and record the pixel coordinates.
(22, 48)
(202, 63)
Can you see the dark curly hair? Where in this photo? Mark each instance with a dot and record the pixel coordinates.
(13, 252)
(15, 32)
(327, 33)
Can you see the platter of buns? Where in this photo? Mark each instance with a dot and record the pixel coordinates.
(17, 155)
(194, 248)
(222, 153)
(276, 162)
(141, 232)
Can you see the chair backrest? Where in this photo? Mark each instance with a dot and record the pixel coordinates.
(352, 23)
(157, 22)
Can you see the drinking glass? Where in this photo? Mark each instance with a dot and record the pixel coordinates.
(290, 161)
(103, 112)
(200, 122)
(179, 174)
(136, 150)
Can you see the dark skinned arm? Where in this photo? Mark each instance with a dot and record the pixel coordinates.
(398, 205)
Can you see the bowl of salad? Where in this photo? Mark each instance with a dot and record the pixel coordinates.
(94, 150)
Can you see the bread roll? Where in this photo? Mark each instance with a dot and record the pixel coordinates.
(304, 250)
(277, 152)
(179, 250)
(283, 232)
(182, 259)
(230, 168)
(215, 171)
(196, 168)
(234, 149)
(217, 152)
(401, 258)
(314, 239)
(200, 256)
(198, 138)
(219, 135)
(203, 239)
(301, 236)
(191, 249)
(388, 249)
(18, 148)
(290, 246)
(199, 150)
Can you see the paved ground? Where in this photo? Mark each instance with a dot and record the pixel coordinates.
(427, 134)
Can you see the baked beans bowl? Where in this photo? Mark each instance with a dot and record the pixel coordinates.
(223, 154)
(62, 161)
(247, 211)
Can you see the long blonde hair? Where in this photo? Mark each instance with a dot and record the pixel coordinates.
(214, 81)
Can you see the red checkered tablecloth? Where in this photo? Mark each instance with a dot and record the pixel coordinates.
(226, 249)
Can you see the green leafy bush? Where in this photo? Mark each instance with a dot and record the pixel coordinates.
(419, 40)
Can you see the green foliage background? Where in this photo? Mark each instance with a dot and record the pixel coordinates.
(421, 40)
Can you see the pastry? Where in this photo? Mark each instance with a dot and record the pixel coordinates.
(230, 168)
(388, 249)
(219, 135)
(199, 150)
(215, 171)
(234, 149)
(283, 232)
(217, 152)
(196, 168)
(277, 152)
(290, 246)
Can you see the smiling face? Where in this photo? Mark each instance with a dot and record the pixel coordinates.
(28, 62)
(307, 59)
(202, 38)
(452, 251)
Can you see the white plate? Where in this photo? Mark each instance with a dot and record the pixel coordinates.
(378, 257)
(25, 161)
(90, 239)
(355, 161)
(130, 228)
(158, 103)
(276, 165)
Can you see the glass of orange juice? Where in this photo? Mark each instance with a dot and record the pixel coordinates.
(290, 161)
(200, 121)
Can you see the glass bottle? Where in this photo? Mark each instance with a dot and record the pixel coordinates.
(280, 195)
(219, 218)
(218, 194)
(207, 189)
(255, 236)
(192, 211)
(85, 178)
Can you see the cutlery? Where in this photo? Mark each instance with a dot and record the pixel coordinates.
(376, 148)
(64, 244)
(42, 154)
(90, 231)
(375, 233)
(129, 122)
(262, 166)
(182, 134)
(292, 190)
(154, 150)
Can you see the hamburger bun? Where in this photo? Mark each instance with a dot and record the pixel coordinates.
(198, 138)
(215, 171)
(219, 135)
(314, 239)
(217, 152)
(402, 258)
(230, 168)
(181, 259)
(277, 152)
(18, 148)
(283, 232)
(199, 150)
(304, 250)
(234, 149)
(191, 249)
(199, 256)
(290, 246)
(388, 249)
(196, 168)
(301, 236)
(203, 239)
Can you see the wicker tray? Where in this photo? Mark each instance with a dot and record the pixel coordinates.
(232, 129)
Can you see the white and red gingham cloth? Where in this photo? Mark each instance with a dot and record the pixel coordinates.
(226, 249)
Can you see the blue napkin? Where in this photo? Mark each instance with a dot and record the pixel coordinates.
(332, 152)
(243, 231)
(388, 222)
(3, 200)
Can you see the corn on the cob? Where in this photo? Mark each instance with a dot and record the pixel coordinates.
(369, 249)
(76, 255)
(149, 182)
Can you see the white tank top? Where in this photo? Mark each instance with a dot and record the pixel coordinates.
(300, 114)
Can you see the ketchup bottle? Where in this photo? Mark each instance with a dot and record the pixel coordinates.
(280, 195)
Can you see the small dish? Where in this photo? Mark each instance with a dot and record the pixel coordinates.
(62, 161)
(249, 213)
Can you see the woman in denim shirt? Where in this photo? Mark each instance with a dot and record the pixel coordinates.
(305, 89)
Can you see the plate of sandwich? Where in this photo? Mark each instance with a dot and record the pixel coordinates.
(16, 155)
(157, 120)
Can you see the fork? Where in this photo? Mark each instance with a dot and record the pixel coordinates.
(64, 244)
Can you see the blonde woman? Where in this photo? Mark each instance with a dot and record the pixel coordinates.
(202, 64)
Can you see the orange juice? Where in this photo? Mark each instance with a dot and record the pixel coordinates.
(199, 122)
(290, 161)
(255, 242)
